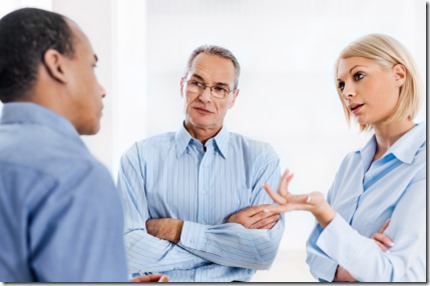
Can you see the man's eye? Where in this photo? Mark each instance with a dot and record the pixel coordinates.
(196, 83)
(220, 89)
(358, 76)
(341, 85)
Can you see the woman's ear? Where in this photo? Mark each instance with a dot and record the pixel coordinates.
(54, 63)
(399, 74)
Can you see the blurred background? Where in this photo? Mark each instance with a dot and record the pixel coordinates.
(287, 50)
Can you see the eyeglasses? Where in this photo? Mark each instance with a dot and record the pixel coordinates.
(195, 86)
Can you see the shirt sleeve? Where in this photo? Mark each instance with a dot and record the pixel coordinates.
(145, 253)
(232, 244)
(75, 230)
(361, 256)
(321, 266)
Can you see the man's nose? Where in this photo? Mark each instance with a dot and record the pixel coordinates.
(206, 94)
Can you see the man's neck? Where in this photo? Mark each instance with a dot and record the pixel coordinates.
(202, 134)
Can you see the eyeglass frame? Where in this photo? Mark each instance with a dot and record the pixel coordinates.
(203, 88)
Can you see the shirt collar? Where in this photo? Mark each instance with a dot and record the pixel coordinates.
(407, 146)
(220, 141)
(404, 149)
(31, 113)
(182, 139)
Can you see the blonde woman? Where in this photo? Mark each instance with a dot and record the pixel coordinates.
(380, 188)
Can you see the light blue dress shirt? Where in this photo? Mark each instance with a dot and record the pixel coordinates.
(365, 194)
(60, 215)
(170, 176)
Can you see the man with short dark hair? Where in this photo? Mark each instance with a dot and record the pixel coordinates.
(193, 199)
(60, 216)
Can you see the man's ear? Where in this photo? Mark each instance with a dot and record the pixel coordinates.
(54, 63)
(181, 86)
(233, 100)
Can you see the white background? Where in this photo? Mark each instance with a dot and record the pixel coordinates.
(286, 48)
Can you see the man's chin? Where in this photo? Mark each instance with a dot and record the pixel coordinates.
(89, 130)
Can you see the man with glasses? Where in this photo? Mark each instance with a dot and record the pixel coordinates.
(193, 200)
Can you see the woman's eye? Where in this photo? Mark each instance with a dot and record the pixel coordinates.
(358, 76)
(341, 85)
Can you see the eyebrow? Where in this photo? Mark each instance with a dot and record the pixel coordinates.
(202, 79)
(351, 69)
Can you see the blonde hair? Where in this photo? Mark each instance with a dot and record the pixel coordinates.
(387, 52)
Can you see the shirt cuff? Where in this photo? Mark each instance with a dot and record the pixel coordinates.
(332, 240)
(193, 235)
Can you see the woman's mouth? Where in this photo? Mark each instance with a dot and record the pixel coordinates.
(354, 107)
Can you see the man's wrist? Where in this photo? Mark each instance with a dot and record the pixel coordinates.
(177, 230)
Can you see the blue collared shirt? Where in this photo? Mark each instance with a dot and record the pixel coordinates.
(60, 215)
(367, 194)
(171, 175)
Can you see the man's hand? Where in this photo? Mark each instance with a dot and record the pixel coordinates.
(343, 276)
(151, 278)
(165, 228)
(255, 217)
(383, 241)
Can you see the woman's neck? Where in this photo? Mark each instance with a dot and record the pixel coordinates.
(387, 134)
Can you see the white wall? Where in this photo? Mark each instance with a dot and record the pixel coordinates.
(286, 48)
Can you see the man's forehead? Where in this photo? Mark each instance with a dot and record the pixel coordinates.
(78, 35)
(221, 69)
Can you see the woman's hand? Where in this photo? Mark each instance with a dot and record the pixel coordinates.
(313, 202)
(383, 241)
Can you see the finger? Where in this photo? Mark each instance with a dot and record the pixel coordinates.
(257, 210)
(263, 215)
(382, 238)
(381, 246)
(147, 278)
(275, 197)
(290, 207)
(289, 179)
(261, 211)
(284, 183)
(164, 278)
(268, 226)
(282, 188)
(265, 221)
(384, 227)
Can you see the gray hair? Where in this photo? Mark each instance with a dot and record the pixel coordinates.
(216, 51)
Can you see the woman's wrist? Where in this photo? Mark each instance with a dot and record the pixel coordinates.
(324, 213)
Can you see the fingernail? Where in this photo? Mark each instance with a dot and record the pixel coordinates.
(392, 244)
(308, 200)
(265, 210)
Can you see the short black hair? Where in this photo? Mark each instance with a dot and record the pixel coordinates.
(25, 36)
